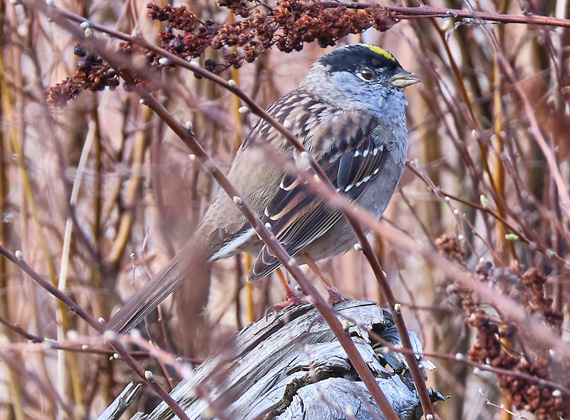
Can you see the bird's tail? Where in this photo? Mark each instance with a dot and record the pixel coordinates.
(185, 264)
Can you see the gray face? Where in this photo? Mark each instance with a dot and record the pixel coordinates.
(370, 89)
(359, 77)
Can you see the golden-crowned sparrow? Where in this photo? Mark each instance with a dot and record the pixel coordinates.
(349, 112)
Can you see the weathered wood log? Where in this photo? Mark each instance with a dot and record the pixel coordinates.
(121, 403)
(291, 366)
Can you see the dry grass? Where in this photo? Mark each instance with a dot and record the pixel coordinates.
(474, 244)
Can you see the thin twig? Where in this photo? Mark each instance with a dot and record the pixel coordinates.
(438, 12)
(98, 326)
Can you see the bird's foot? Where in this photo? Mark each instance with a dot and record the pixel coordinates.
(335, 296)
(292, 299)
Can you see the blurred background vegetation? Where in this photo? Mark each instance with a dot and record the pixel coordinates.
(479, 190)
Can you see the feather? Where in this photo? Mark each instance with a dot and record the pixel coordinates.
(296, 214)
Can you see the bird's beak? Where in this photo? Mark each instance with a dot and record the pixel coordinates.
(403, 79)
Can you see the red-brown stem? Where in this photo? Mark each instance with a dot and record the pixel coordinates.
(98, 326)
(438, 12)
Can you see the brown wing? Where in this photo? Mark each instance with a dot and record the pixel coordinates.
(296, 215)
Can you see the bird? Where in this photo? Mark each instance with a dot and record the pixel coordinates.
(349, 112)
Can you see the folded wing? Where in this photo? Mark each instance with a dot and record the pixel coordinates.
(297, 216)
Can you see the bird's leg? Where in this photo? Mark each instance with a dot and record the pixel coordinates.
(334, 295)
(286, 284)
(292, 298)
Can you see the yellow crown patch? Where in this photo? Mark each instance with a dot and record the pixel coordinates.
(380, 51)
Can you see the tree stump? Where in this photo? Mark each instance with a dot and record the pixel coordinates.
(291, 366)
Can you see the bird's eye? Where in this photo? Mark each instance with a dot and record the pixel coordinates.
(366, 74)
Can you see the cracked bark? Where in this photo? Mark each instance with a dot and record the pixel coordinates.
(290, 366)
